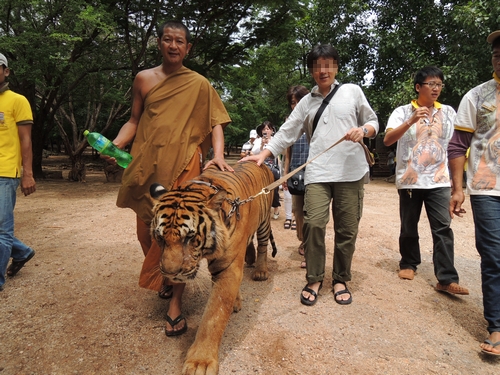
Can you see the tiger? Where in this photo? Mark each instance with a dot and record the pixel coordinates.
(209, 217)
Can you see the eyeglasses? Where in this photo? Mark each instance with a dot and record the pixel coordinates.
(433, 85)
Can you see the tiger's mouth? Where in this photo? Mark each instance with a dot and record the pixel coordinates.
(182, 276)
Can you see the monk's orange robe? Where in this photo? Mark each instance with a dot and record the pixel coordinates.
(179, 115)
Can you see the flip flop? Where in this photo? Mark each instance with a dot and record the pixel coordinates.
(494, 344)
(15, 266)
(173, 323)
(166, 291)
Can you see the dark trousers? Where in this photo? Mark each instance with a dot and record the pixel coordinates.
(346, 199)
(437, 203)
(486, 211)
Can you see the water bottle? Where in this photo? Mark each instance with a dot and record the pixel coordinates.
(106, 147)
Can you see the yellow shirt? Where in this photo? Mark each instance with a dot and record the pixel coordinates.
(15, 111)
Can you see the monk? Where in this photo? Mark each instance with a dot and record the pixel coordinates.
(176, 116)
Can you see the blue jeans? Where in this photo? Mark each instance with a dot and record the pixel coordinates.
(437, 203)
(486, 212)
(10, 246)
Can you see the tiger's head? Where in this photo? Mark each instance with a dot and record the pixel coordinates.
(427, 156)
(188, 226)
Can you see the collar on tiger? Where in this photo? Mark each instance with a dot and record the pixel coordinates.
(495, 77)
(415, 105)
(216, 188)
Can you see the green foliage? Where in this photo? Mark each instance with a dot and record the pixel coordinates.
(75, 59)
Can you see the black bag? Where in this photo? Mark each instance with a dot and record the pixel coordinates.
(296, 183)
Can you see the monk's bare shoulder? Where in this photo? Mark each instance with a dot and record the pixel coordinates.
(146, 79)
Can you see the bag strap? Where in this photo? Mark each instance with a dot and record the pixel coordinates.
(322, 107)
(369, 158)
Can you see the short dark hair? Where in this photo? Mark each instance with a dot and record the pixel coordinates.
(297, 92)
(263, 125)
(174, 24)
(428, 71)
(322, 50)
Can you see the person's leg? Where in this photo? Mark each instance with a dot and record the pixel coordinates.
(410, 208)
(316, 215)
(437, 206)
(8, 188)
(486, 212)
(298, 211)
(287, 200)
(347, 211)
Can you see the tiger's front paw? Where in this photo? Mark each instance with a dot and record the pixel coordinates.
(200, 367)
(260, 275)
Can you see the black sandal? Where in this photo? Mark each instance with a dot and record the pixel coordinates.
(287, 223)
(173, 323)
(344, 291)
(307, 301)
(15, 266)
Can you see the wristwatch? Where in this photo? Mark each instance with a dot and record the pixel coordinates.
(365, 131)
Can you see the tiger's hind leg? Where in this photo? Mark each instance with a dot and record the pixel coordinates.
(264, 233)
(250, 252)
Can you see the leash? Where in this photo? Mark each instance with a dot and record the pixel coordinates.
(236, 203)
(277, 183)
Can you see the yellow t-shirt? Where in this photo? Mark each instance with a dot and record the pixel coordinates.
(15, 111)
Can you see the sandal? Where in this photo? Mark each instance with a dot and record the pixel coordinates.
(16, 265)
(344, 291)
(294, 225)
(307, 301)
(173, 323)
(276, 216)
(303, 264)
(287, 223)
(493, 344)
(166, 291)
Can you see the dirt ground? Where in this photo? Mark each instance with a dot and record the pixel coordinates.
(76, 308)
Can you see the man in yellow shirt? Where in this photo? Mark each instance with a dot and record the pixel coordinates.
(16, 120)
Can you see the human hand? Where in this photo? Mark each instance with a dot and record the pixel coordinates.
(28, 185)
(355, 134)
(259, 158)
(220, 162)
(457, 198)
(108, 159)
(418, 114)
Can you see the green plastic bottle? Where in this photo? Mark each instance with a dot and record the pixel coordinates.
(106, 147)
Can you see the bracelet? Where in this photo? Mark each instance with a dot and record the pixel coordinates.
(408, 123)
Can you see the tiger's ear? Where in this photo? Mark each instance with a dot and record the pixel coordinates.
(156, 190)
(215, 202)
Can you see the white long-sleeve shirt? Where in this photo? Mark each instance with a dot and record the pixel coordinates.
(347, 109)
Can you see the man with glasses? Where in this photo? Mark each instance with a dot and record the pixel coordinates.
(478, 126)
(423, 129)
